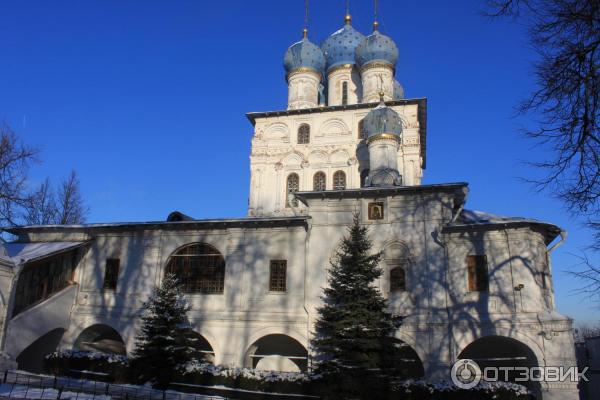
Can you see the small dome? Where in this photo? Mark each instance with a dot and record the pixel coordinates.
(382, 119)
(398, 90)
(339, 48)
(304, 54)
(377, 47)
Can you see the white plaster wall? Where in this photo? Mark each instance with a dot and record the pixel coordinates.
(335, 80)
(335, 145)
(303, 90)
(377, 79)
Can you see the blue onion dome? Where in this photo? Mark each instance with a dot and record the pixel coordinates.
(339, 48)
(382, 120)
(304, 54)
(377, 47)
(398, 90)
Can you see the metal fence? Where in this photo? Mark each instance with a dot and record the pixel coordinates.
(20, 385)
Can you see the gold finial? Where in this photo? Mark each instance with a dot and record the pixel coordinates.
(304, 33)
(381, 95)
(375, 26)
(348, 19)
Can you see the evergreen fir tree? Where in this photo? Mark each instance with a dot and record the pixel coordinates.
(354, 331)
(166, 340)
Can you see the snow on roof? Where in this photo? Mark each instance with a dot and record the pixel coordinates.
(480, 217)
(26, 252)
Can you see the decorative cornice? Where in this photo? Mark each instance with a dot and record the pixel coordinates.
(303, 70)
(338, 67)
(384, 136)
(377, 64)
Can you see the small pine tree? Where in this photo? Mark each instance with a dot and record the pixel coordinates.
(166, 340)
(354, 332)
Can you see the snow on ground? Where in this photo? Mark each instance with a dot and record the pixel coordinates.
(10, 391)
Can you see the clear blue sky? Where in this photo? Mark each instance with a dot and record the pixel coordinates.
(146, 100)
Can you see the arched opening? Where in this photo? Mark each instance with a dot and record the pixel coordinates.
(345, 93)
(410, 365)
(361, 129)
(319, 182)
(501, 351)
(339, 180)
(304, 134)
(32, 358)
(100, 338)
(292, 186)
(199, 267)
(277, 352)
(397, 279)
(205, 348)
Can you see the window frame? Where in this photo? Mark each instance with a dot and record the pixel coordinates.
(196, 279)
(303, 136)
(288, 190)
(478, 277)
(398, 267)
(336, 176)
(345, 93)
(277, 283)
(322, 176)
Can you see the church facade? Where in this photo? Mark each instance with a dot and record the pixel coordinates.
(471, 284)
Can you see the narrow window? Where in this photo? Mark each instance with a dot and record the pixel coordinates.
(339, 180)
(345, 93)
(544, 280)
(293, 186)
(361, 129)
(277, 276)
(111, 273)
(304, 134)
(478, 274)
(319, 181)
(397, 279)
(364, 174)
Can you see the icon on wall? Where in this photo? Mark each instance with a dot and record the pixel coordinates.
(376, 210)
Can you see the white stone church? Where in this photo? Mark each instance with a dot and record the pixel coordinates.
(471, 284)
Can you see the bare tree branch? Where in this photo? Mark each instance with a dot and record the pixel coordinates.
(41, 206)
(71, 208)
(15, 159)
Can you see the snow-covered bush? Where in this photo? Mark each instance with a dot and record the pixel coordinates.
(102, 366)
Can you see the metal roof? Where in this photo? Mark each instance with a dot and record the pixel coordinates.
(186, 224)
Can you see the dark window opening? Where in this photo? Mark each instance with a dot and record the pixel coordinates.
(397, 279)
(41, 279)
(344, 93)
(277, 276)
(304, 134)
(319, 182)
(292, 186)
(477, 273)
(200, 268)
(339, 180)
(111, 273)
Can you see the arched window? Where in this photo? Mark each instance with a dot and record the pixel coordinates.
(199, 267)
(344, 93)
(304, 134)
(361, 129)
(339, 180)
(292, 186)
(397, 279)
(364, 174)
(319, 182)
